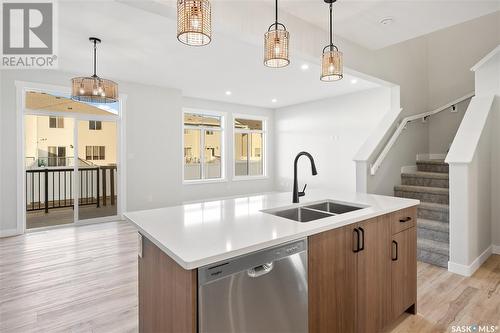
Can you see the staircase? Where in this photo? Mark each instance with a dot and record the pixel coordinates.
(429, 184)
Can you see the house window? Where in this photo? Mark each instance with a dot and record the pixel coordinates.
(249, 138)
(56, 156)
(95, 125)
(56, 122)
(95, 153)
(203, 150)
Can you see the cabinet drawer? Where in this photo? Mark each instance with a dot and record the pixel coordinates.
(403, 219)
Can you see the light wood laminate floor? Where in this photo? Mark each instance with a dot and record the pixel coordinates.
(84, 279)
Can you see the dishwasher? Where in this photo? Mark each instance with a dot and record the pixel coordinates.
(261, 292)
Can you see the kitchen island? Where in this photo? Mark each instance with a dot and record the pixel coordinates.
(361, 264)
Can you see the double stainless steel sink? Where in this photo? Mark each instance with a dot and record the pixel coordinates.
(314, 211)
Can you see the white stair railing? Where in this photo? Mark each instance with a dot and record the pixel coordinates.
(383, 154)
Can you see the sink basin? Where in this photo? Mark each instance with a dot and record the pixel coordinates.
(333, 207)
(300, 214)
(314, 211)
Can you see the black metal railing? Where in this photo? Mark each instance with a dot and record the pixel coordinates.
(51, 188)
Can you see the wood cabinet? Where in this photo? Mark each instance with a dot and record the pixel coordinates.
(404, 272)
(354, 281)
(331, 271)
(167, 293)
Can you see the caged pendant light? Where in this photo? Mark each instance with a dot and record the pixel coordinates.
(276, 41)
(194, 22)
(94, 89)
(331, 61)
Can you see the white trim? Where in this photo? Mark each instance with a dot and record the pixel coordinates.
(202, 129)
(375, 166)
(468, 270)
(9, 232)
(485, 59)
(495, 249)
(427, 156)
(264, 132)
(409, 169)
(21, 110)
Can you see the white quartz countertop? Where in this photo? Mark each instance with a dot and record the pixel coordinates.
(202, 233)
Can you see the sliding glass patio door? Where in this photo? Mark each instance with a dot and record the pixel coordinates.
(71, 161)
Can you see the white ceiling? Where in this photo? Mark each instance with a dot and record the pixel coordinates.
(140, 46)
(358, 21)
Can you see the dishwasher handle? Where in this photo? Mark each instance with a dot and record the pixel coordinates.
(260, 270)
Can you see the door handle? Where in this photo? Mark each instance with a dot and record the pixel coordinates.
(260, 270)
(406, 219)
(362, 239)
(356, 249)
(396, 257)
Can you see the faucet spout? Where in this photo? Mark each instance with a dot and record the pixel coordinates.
(296, 193)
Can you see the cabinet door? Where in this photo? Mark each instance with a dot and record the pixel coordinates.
(373, 294)
(331, 266)
(404, 271)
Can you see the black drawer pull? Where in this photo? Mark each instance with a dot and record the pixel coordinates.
(356, 249)
(396, 257)
(406, 219)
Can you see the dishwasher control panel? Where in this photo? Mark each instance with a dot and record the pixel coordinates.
(250, 261)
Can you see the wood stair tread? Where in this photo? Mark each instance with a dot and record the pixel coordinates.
(437, 162)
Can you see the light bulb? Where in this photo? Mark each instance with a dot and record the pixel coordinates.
(99, 89)
(195, 23)
(331, 68)
(81, 91)
(277, 50)
(103, 94)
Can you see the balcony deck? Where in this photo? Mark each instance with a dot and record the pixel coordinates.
(60, 216)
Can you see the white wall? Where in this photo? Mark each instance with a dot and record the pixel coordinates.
(230, 186)
(432, 70)
(153, 143)
(443, 127)
(332, 130)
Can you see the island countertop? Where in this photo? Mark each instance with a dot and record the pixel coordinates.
(202, 233)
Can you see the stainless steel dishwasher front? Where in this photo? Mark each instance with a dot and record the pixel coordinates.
(264, 291)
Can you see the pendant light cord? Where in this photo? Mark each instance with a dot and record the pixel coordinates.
(95, 57)
(331, 27)
(276, 14)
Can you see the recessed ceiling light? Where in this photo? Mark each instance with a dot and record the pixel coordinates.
(274, 100)
(228, 92)
(386, 21)
(304, 67)
(354, 81)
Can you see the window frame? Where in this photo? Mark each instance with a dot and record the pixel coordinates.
(203, 130)
(263, 151)
(59, 122)
(95, 122)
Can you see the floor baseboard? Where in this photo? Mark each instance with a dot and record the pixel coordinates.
(468, 270)
(495, 249)
(9, 233)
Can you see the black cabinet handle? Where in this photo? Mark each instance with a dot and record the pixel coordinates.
(362, 247)
(356, 249)
(406, 219)
(395, 258)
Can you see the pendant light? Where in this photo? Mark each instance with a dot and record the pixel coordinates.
(94, 89)
(194, 22)
(276, 44)
(331, 62)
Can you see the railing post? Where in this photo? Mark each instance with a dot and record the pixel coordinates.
(112, 185)
(98, 186)
(46, 190)
(104, 186)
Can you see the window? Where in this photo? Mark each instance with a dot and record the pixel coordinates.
(249, 137)
(95, 125)
(56, 122)
(95, 153)
(203, 153)
(56, 156)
